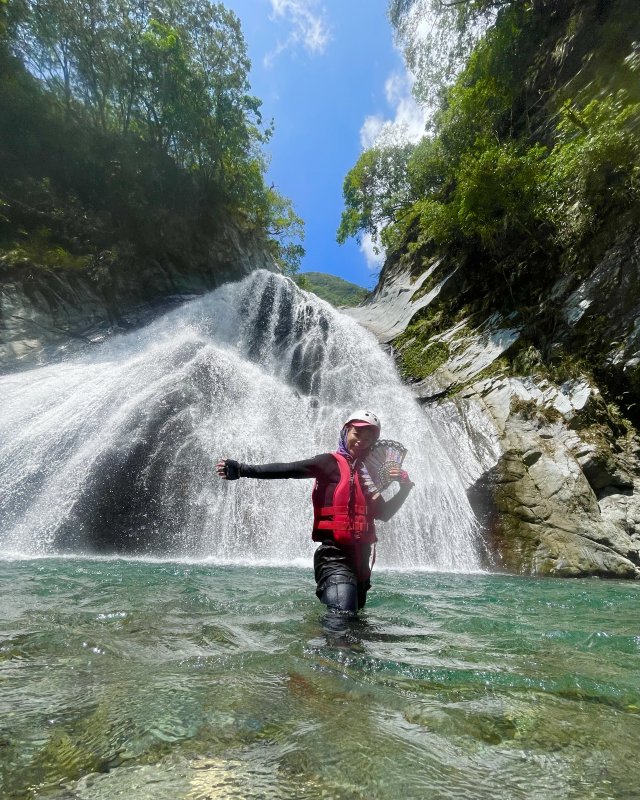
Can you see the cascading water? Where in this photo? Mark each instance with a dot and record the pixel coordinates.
(113, 451)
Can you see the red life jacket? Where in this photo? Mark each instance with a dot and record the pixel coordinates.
(353, 525)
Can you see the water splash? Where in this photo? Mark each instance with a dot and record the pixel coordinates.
(113, 451)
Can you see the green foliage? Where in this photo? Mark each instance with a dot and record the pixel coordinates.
(493, 187)
(375, 192)
(435, 52)
(497, 189)
(39, 248)
(436, 182)
(174, 74)
(420, 352)
(595, 163)
(427, 167)
(334, 290)
(302, 282)
(133, 122)
(487, 182)
(418, 361)
(474, 114)
(286, 230)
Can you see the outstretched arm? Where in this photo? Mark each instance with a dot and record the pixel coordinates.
(316, 467)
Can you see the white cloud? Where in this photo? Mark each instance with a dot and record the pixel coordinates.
(409, 120)
(368, 248)
(370, 130)
(306, 20)
(396, 87)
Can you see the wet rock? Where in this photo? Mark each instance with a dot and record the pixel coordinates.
(558, 495)
(551, 517)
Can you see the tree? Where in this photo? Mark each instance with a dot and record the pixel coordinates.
(286, 230)
(143, 111)
(438, 36)
(3, 25)
(43, 34)
(376, 191)
(174, 73)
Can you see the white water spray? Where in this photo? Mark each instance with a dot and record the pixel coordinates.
(114, 451)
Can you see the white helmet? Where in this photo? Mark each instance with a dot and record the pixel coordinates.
(364, 416)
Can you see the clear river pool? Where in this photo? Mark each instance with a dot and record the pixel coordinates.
(168, 680)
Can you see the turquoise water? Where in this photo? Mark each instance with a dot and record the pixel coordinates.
(157, 680)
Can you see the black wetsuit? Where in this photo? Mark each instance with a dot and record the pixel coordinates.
(341, 572)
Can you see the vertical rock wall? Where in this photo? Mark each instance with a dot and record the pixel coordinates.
(562, 495)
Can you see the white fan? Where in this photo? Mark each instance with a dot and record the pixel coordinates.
(377, 466)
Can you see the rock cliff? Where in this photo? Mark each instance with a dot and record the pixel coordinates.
(43, 311)
(560, 495)
(511, 290)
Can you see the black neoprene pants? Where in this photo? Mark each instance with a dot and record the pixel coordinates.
(343, 597)
(339, 586)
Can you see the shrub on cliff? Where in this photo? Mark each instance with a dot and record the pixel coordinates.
(514, 162)
(594, 166)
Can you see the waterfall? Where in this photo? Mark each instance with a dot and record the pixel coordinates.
(113, 451)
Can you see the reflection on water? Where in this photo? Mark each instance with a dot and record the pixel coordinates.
(181, 681)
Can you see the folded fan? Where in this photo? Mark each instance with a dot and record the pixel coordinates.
(383, 456)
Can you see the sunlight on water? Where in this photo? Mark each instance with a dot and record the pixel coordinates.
(175, 681)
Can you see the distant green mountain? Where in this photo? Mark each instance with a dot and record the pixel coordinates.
(334, 290)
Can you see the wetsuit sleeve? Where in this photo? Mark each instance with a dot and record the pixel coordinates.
(317, 467)
(385, 509)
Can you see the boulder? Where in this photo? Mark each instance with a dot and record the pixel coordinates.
(549, 514)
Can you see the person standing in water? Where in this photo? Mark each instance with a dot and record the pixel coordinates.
(344, 512)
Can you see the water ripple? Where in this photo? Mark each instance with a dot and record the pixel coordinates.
(174, 681)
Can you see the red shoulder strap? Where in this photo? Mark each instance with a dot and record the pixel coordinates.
(345, 469)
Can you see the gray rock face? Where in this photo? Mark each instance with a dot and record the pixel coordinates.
(559, 489)
(396, 301)
(601, 316)
(607, 302)
(554, 512)
(43, 312)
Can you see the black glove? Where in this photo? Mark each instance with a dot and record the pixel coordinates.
(231, 469)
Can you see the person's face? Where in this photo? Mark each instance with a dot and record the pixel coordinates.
(360, 439)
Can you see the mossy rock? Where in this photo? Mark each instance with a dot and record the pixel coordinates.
(418, 361)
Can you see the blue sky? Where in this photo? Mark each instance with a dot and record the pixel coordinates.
(329, 75)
